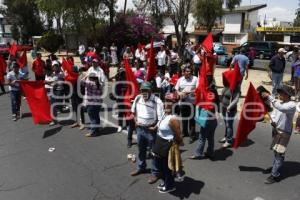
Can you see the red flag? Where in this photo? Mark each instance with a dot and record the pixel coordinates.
(13, 49)
(67, 66)
(232, 77)
(253, 111)
(37, 100)
(22, 61)
(3, 67)
(152, 69)
(208, 43)
(204, 98)
(132, 88)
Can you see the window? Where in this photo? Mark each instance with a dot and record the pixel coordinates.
(229, 38)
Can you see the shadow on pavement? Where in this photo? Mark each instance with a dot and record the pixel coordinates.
(248, 143)
(289, 169)
(66, 122)
(187, 187)
(51, 132)
(222, 154)
(107, 131)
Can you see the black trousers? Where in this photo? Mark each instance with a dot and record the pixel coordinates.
(187, 112)
(2, 87)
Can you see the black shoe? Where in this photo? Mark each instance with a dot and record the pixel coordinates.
(164, 190)
(267, 171)
(271, 179)
(161, 186)
(129, 145)
(138, 172)
(209, 156)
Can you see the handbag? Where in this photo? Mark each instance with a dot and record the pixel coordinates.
(201, 116)
(161, 147)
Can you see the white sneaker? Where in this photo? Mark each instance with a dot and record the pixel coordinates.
(223, 140)
(119, 129)
(226, 145)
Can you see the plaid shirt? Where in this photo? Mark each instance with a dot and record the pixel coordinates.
(92, 93)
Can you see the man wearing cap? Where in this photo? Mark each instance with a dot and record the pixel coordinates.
(282, 122)
(277, 66)
(95, 68)
(147, 109)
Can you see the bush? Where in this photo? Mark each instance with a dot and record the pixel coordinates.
(51, 42)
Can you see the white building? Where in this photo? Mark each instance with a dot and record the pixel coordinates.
(235, 27)
(5, 28)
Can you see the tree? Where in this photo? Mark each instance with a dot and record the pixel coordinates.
(207, 12)
(51, 42)
(111, 4)
(156, 9)
(24, 15)
(178, 11)
(15, 32)
(297, 20)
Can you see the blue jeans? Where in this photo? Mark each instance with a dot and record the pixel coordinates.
(93, 112)
(207, 133)
(145, 138)
(277, 164)
(276, 82)
(166, 173)
(228, 120)
(15, 97)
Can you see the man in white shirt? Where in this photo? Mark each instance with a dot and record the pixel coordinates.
(161, 60)
(148, 110)
(185, 87)
(95, 68)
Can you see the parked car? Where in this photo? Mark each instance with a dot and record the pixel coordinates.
(219, 49)
(263, 49)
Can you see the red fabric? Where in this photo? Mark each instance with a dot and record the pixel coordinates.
(70, 75)
(91, 54)
(132, 88)
(208, 43)
(204, 98)
(3, 67)
(22, 61)
(151, 69)
(232, 77)
(13, 49)
(38, 67)
(253, 111)
(211, 61)
(174, 79)
(37, 100)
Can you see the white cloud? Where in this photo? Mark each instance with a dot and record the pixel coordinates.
(279, 13)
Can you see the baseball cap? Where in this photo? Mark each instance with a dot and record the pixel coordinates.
(95, 60)
(146, 86)
(281, 50)
(173, 97)
(286, 89)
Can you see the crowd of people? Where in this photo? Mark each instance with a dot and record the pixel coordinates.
(164, 111)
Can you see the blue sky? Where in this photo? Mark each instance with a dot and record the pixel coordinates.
(283, 10)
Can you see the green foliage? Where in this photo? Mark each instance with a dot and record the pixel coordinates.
(15, 32)
(51, 42)
(208, 11)
(25, 16)
(297, 20)
(230, 4)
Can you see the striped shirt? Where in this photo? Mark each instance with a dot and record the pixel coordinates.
(92, 93)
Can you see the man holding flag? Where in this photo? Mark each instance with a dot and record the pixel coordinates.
(282, 122)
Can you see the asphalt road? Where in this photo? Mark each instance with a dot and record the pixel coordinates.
(97, 168)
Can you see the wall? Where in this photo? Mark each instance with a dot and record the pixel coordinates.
(233, 23)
